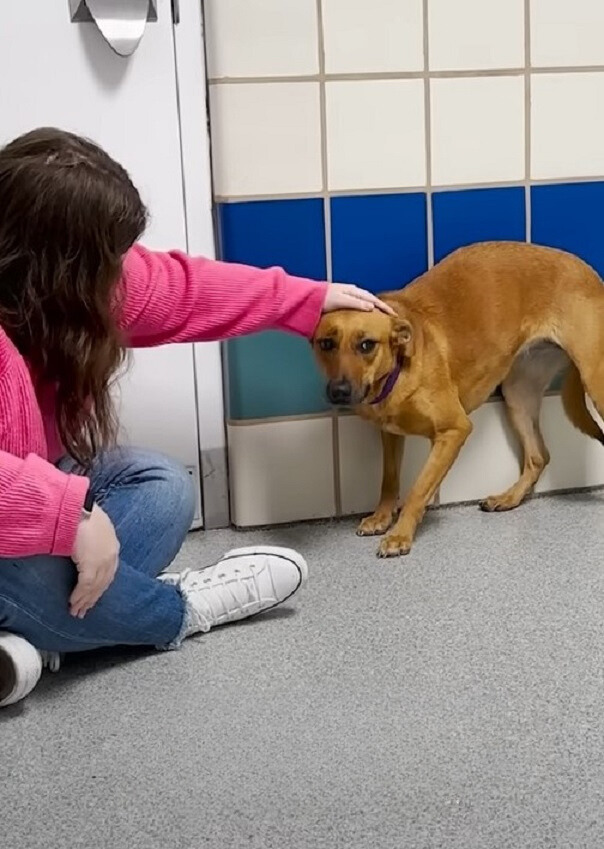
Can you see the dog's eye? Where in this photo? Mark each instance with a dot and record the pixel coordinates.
(327, 344)
(366, 346)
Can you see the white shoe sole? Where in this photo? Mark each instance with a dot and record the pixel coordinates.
(27, 665)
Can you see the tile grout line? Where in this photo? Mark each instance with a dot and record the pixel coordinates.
(428, 139)
(428, 154)
(327, 414)
(401, 190)
(378, 76)
(335, 429)
(527, 120)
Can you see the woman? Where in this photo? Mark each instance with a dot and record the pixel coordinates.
(87, 529)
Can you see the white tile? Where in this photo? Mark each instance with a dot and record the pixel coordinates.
(576, 460)
(477, 130)
(476, 34)
(375, 134)
(488, 463)
(266, 138)
(567, 33)
(256, 38)
(415, 454)
(361, 464)
(281, 471)
(369, 37)
(567, 125)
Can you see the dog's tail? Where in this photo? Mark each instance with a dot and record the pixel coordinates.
(575, 405)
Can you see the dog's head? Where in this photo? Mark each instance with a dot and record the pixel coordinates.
(358, 350)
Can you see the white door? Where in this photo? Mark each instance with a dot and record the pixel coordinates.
(59, 73)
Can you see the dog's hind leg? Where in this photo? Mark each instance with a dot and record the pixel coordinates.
(523, 391)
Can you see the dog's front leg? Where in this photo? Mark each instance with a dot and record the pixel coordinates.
(445, 447)
(382, 518)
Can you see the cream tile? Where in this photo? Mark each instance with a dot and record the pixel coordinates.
(281, 471)
(266, 138)
(576, 460)
(256, 38)
(375, 134)
(363, 37)
(488, 462)
(567, 33)
(361, 464)
(415, 454)
(477, 130)
(567, 125)
(476, 34)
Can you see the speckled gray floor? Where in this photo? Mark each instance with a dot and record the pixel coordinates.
(452, 699)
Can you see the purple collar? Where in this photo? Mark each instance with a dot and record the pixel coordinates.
(388, 385)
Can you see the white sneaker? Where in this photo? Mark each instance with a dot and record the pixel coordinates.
(20, 667)
(246, 581)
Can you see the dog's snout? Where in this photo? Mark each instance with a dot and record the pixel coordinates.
(339, 391)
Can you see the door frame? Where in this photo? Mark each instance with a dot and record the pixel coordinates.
(189, 51)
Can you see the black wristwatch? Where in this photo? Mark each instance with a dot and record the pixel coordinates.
(88, 503)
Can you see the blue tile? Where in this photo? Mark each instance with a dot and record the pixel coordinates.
(272, 374)
(570, 216)
(379, 241)
(477, 215)
(289, 233)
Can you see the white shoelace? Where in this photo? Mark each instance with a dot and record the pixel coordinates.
(51, 660)
(235, 594)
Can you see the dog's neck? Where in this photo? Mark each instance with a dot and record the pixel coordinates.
(389, 384)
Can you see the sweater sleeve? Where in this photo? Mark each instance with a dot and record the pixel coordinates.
(40, 507)
(172, 297)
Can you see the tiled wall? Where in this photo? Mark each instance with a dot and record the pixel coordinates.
(362, 140)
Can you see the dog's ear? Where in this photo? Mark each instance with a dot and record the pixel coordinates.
(403, 337)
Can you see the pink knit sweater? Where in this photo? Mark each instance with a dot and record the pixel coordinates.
(169, 297)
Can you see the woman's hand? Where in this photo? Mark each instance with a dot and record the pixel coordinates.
(341, 296)
(95, 553)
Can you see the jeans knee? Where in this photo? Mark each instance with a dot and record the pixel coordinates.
(176, 490)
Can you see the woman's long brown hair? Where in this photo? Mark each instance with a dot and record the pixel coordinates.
(68, 214)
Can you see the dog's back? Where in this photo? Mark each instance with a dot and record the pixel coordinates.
(498, 296)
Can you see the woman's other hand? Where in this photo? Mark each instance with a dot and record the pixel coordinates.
(95, 554)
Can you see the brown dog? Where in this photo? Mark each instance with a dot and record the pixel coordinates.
(495, 313)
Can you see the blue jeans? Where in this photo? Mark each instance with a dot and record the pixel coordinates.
(151, 503)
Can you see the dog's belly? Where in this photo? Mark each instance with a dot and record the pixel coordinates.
(541, 358)
(537, 362)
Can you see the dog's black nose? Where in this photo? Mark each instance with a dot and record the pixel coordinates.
(339, 391)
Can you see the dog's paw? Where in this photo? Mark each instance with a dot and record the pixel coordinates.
(498, 504)
(395, 545)
(377, 523)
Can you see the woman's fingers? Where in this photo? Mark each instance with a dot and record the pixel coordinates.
(368, 301)
(88, 591)
(341, 296)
